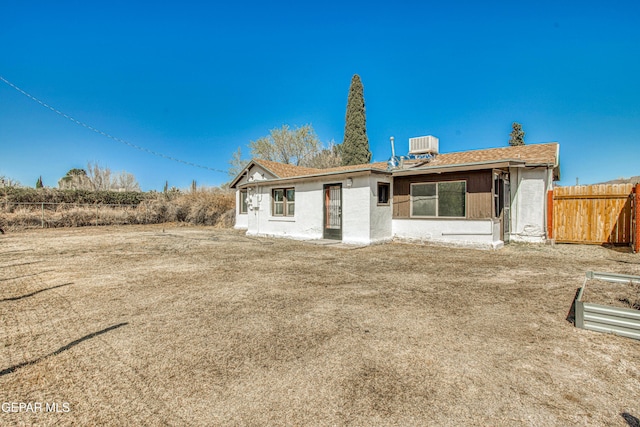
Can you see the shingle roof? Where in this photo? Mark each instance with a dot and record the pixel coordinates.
(535, 154)
(282, 170)
(377, 165)
(530, 154)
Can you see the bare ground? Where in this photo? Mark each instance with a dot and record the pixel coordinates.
(137, 325)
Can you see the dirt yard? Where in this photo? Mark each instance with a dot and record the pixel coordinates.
(140, 325)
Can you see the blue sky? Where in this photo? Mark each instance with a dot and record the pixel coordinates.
(197, 80)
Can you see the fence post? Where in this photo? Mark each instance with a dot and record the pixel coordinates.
(96, 215)
(42, 222)
(636, 215)
(550, 214)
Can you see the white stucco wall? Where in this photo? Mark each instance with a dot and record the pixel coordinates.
(306, 222)
(254, 174)
(363, 221)
(476, 233)
(380, 216)
(528, 204)
(356, 211)
(242, 222)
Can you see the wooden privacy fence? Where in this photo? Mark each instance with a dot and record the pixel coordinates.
(594, 214)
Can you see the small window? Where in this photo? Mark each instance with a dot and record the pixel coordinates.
(383, 193)
(243, 201)
(284, 200)
(439, 199)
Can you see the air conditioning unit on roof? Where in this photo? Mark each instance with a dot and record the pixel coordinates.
(423, 145)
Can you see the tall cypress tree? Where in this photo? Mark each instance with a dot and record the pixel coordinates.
(355, 147)
(516, 135)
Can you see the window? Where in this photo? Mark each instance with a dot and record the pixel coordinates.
(423, 199)
(284, 202)
(500, 194)
(243, 201)
(497, 208)
(439, 199)
(383, 193)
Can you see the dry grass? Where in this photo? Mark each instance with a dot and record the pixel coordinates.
(204, 207)
(625, 295)
(202, 326)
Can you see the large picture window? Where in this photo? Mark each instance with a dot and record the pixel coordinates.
(439, 199)
(284, 202)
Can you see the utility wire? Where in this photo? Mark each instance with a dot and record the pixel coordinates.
(76, 121)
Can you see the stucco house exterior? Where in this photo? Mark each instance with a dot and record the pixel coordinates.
(473, 198)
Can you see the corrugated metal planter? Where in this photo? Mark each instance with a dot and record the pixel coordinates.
(605, 318)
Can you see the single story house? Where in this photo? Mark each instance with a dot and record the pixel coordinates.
(473, 198)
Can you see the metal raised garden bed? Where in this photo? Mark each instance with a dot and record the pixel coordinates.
(607, 318)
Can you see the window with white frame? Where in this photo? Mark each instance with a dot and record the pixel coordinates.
(439, 199)
(284, 202)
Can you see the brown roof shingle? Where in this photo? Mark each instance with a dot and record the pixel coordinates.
(530, 154)
(377, 165)
(282, 170)
(538, 154)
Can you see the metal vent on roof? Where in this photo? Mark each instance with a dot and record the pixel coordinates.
(423, 145)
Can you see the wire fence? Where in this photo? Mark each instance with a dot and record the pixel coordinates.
(198, 208)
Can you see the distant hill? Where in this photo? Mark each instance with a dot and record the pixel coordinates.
(633, 180)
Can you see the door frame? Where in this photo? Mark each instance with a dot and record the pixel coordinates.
(502, 202)
(331, 233)
(506, 208)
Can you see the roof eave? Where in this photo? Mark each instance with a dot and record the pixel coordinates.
(315, 176)
(458, 167)
(246, 168)
(257, 162)
(239, 176)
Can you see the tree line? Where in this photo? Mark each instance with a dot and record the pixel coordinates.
(93, 178)
(97, 178)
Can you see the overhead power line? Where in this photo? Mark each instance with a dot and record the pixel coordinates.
(114, 138)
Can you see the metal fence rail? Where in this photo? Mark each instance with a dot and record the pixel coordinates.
(603, 318)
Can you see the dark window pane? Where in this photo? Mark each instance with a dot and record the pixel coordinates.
(243, 201)
(424, 206)
(383, 193)
(423, 200)
(451, 199)
(423, 190)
